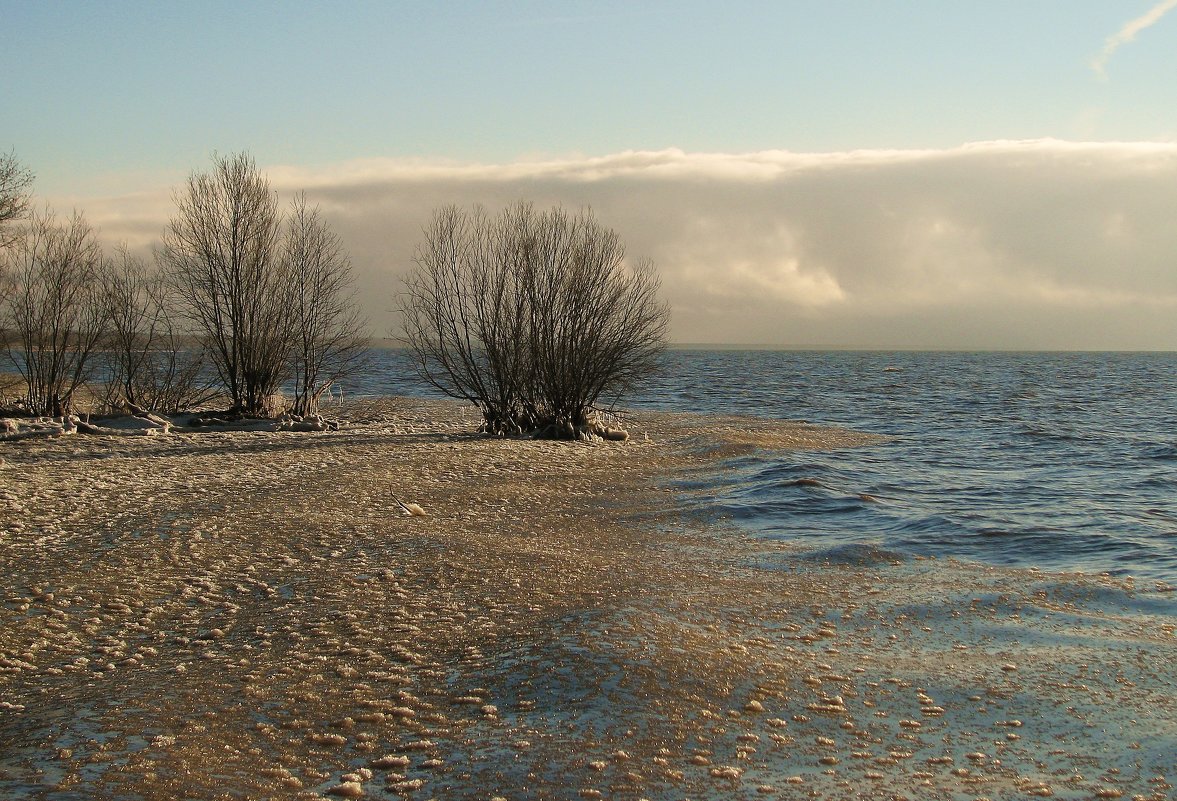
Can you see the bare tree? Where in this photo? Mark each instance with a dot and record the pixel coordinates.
(7, 288)
(533, 317)
(149, 364)
(597, 325)
(55, 310)
(464, 317)
(221, 253)
(16, 181)
(15, 184)
(328, 332)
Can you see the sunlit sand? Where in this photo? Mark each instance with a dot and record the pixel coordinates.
(253, 614)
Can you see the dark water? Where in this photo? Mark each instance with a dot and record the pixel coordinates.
(1065, 461)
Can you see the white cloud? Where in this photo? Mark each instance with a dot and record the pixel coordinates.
(1021, 244)
(1128, 34)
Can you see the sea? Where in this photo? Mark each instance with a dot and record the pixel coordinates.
(1060, 461)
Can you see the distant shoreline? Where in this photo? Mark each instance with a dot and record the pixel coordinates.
(385, 343)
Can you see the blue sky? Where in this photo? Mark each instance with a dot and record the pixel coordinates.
(882, 174)
(94, 91)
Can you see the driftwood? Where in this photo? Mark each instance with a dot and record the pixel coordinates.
(410, 508)
(42, 428)
(145, 423)
(288, 422)
(13, 432)
(83, 427)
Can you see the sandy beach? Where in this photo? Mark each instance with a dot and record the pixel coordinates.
(250, 615)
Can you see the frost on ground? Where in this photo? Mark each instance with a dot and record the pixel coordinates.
(253, 615)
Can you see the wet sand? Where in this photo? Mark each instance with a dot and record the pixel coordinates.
(250, 615)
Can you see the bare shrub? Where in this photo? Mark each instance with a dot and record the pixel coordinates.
(596, 325)
(329, 341)
(7, 290)
(221, 255)
(15, 184)
(464, 318)
(16, 181)
(149, 364)
(533, 317)
(54, 310)
(267, 309)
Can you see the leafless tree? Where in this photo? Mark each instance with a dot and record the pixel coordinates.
(221, 253)
(15, 184)
(329, 339)
(16, 181)
(7, 289)
(149, 363)
(464, 317)
(533, 317)
(55, 310)
(597, 326)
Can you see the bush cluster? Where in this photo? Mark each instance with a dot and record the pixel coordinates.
(533, 316)
(536, 317)
(243, 300)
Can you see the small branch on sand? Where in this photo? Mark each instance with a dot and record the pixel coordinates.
(410, 508)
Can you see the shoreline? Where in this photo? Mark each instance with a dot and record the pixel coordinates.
(557, 626)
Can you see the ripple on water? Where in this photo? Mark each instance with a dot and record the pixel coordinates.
(1037, 445)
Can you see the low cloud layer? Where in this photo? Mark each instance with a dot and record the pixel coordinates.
(1039, 244)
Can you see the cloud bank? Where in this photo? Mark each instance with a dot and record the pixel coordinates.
(1020, 244)
(1128, 34)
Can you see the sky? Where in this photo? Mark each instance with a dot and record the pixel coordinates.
(972, 175)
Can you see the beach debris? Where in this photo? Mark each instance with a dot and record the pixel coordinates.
(347, 790)
(311, 422)
(411, 509)
(37, 427)
(141, 422)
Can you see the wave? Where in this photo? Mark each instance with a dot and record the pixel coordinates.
(1161, 453)
(1036, 432)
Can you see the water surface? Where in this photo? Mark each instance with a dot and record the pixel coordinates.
(1064, 461)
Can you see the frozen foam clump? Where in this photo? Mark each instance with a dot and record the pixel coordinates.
(347, 790)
